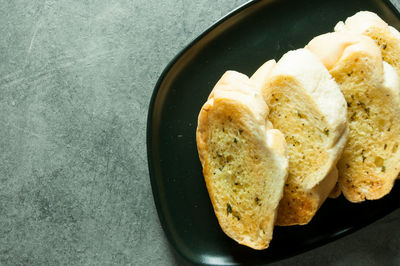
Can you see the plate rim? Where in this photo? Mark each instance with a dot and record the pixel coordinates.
(149, 126)
(149, 140)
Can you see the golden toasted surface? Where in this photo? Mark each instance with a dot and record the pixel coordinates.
(244, 161)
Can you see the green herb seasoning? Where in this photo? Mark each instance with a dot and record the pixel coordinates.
(228, 208)
(353, 116)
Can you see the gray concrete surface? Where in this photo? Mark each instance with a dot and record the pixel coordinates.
(75, 81)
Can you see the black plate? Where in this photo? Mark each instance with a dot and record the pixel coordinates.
(242, 41)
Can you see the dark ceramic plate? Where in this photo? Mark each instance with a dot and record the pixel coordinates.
(242, 41)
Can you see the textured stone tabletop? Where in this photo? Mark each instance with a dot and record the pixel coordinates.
(76, 79)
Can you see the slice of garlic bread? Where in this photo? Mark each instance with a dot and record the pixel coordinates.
(386, 37)
(307, 106)
(244, 160)
(371, 160)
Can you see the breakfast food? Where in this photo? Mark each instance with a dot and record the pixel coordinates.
(371, 160)
(307, 106)
(244, 159)
(386, 37)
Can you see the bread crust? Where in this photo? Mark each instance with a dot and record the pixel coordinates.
(370, 24)
(336, 192)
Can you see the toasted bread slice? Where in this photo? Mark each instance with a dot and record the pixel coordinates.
(244, 160)
(371, 159)
(307, 106)
(386, 37)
